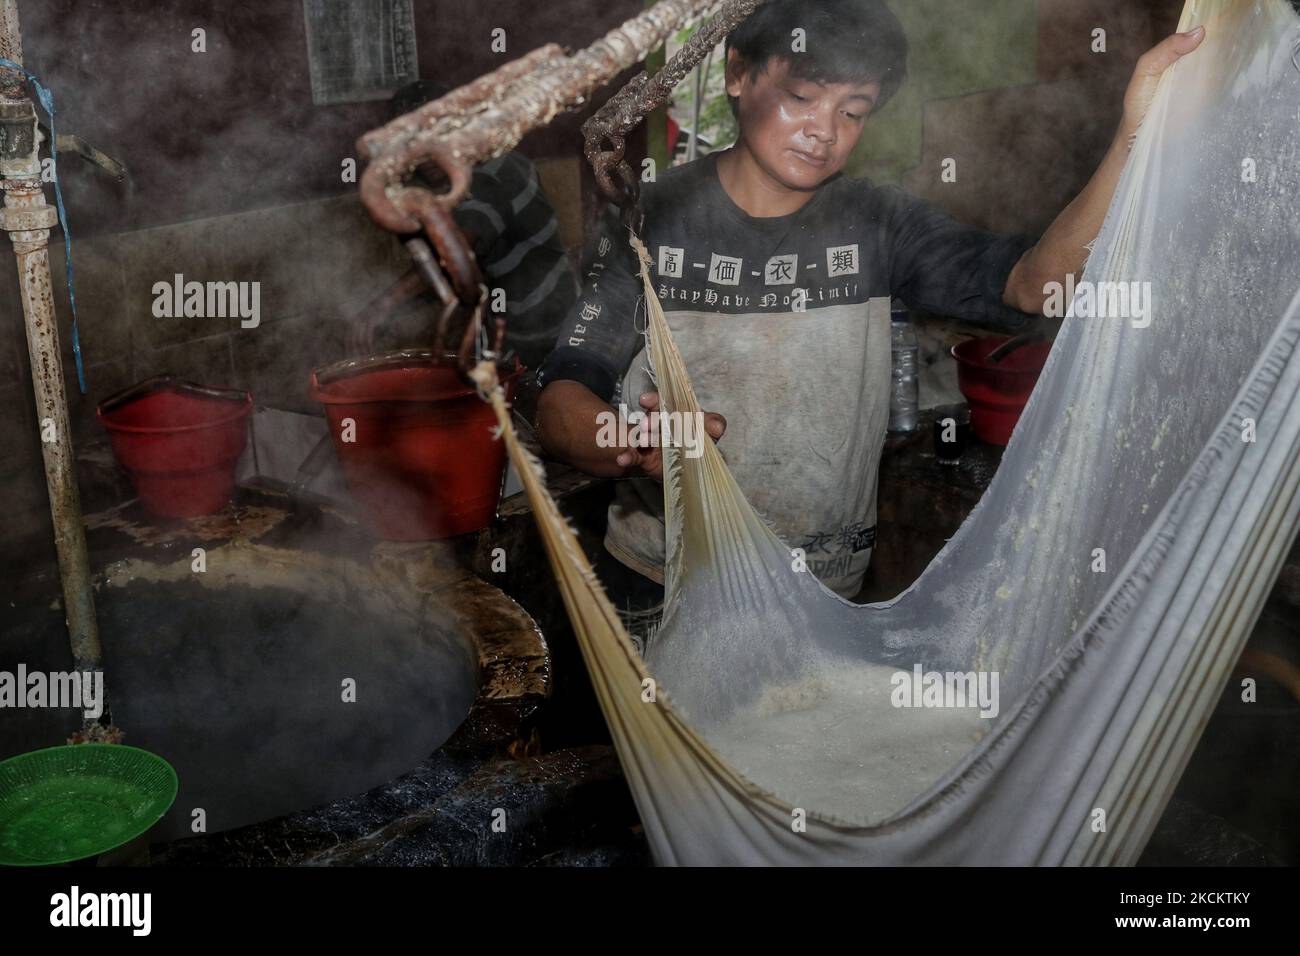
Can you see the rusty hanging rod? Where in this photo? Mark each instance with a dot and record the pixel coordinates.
(489, 116)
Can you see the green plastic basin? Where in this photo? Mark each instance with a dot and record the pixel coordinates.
(71, 802)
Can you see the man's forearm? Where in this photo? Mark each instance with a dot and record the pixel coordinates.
(1063, 248)
(567, 426)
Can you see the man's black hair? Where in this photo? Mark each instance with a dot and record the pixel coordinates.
(414, 95)
(844, 41)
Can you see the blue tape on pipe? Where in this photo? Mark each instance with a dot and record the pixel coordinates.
(46, 99)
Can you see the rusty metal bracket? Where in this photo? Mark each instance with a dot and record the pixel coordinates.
(453, 249)
(643, 95)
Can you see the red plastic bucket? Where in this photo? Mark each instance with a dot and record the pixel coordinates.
(997, 392)
(179, 442)
(415, 444)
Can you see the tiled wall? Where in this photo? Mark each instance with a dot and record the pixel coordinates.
(317, 262)
(314, 260)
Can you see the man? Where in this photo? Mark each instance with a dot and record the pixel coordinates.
(515, 237)
(776, 274)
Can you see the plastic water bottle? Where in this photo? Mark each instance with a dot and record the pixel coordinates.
(904, 398)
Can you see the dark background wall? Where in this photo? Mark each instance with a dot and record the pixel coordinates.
(236, 174)
(234, 128)
(1025, 150)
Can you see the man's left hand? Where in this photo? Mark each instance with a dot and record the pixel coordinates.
(1146, 76)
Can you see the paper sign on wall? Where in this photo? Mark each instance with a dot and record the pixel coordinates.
(359, 49)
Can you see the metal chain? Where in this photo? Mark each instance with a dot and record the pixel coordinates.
(642, 95)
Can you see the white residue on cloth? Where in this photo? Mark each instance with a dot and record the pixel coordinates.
(834, 743)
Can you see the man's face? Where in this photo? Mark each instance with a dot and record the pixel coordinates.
(800, 132)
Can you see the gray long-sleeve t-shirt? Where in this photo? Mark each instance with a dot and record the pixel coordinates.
(784, 326)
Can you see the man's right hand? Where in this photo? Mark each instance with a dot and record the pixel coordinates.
(645, 457)
(569, 417)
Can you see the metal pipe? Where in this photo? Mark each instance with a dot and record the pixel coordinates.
(28, 220)
(12, 83)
